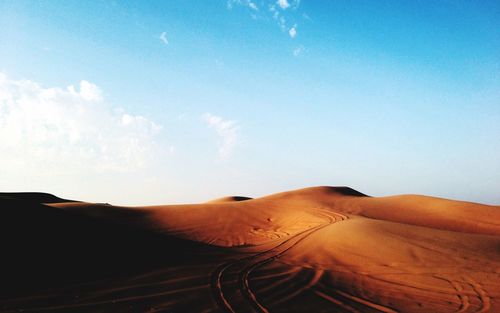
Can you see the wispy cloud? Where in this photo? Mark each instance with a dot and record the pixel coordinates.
(163, 38)
(293, 31)
(253, 6)
(69, 129)
(247, 3)
(284, 12)
(227, 130)
(282, 22)
(283, 4)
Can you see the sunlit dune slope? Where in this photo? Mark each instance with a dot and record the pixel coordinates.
(232, 222)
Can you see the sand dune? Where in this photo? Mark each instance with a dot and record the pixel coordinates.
(229, 199)
(320, 249)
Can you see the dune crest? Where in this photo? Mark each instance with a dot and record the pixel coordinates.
(229, 199)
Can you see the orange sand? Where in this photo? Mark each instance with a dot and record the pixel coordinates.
(321, 249)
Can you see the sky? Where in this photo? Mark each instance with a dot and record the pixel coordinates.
(157, 102)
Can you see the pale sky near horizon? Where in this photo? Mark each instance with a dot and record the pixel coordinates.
(134, 102)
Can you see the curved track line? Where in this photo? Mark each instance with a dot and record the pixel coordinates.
(244, 282)
(464, 299)
(336, 301)
(481, 294)
(278, 283)
(356, 299)
(460, 293)
(217, 274)
(216, 282)
(421, 287)
(367, 303)
(216, 279)
(279, 274)
(316, 277)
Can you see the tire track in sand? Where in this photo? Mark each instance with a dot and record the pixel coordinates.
(464, 295)
(245, 296)
(481, 294)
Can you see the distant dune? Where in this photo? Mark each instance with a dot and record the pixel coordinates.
(229, 199)
(319, 249)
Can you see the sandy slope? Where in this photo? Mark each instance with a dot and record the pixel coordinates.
(321, 249)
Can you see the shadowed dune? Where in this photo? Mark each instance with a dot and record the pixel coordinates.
(36, 197)
(229, 199)
(320, 249)
(46, 246)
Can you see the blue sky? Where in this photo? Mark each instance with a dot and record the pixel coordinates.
(183, 101)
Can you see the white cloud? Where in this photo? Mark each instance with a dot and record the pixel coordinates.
(293, 31)
(253, 6)
(88, 91)
(227, 130)
(163, 38)
(283, 4)
(69, 130)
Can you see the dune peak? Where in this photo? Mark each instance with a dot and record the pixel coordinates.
(229, 199)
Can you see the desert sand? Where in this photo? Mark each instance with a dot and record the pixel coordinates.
(319, 249)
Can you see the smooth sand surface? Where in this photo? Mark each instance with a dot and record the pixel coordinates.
(320, 249)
